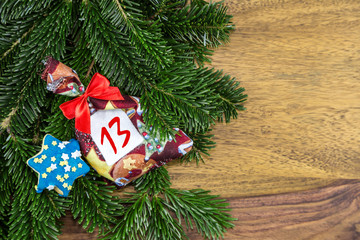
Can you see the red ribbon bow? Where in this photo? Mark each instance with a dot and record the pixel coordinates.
(78, 108)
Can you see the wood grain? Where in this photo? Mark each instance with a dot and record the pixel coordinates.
(299, 138)
(328, 213)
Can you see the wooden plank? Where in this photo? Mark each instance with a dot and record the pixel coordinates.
(299, 62)
(326, 213)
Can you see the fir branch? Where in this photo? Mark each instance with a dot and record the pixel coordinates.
(200, 54)
(148, 215)
(146, 219)
(57, 125)
(186, 110)
(6, 190)
(207, 212)
(159, 118)
(120, 62)
(147, 40)
(184, 91)
(141, 217)
(201, 23)
(202, 145)
(22, 77)
(4, 207)
(32, 215)
(99, 208)
(154, 182)
(195, 53)
(90, 68)
(15, 9)
(162, 224)
(158, 6)
(38, 219)
(231, 97)
(12, 34)
(112, 49)
(147, 50)
(81, 58)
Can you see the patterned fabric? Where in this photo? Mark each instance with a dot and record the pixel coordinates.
(112, 134)
(58, 164)
(150, 154)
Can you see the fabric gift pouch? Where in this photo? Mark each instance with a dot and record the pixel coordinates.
(110, 128)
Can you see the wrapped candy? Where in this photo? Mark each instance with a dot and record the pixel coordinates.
(110, 128)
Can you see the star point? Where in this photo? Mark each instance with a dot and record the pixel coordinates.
(53, 159)
(54, 143)
(49, 169)
(44, 175)
(53, 166)
(61, 145)
(65, 156)
(50, 187)
(66, 176)
(67, 168)
(76, 154)
(73, 169)
(46, 147)
(79, 165)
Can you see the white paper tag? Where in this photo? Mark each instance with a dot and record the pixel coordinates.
(114, 134)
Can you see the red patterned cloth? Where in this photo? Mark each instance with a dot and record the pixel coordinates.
(109, 127)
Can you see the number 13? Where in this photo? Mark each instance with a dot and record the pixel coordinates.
(105, 133)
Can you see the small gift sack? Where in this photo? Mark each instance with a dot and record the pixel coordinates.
(110, 127)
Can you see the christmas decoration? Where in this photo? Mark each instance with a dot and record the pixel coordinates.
(58, 164)
(109, 134)
(155, 50)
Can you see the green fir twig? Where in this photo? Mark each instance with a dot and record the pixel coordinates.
(154, 49)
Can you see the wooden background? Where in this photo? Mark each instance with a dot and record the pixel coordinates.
(290, 164)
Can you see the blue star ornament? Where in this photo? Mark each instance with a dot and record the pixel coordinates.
(58, 164)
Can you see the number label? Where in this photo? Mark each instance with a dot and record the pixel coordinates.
(105, 133)
(114, 134)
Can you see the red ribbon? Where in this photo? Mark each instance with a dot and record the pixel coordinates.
(78, 108)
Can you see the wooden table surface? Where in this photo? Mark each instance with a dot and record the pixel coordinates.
(290, 164)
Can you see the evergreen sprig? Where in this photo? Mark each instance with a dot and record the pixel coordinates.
(146, 218)
(207, 212)
(57, 125)
(201, 23)
(5, 193)
(93, 205)
(155, 49)
(156, 210)
(10, 10)
(24, 88)
(144, 35)
(32, 216)
(201, 147)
